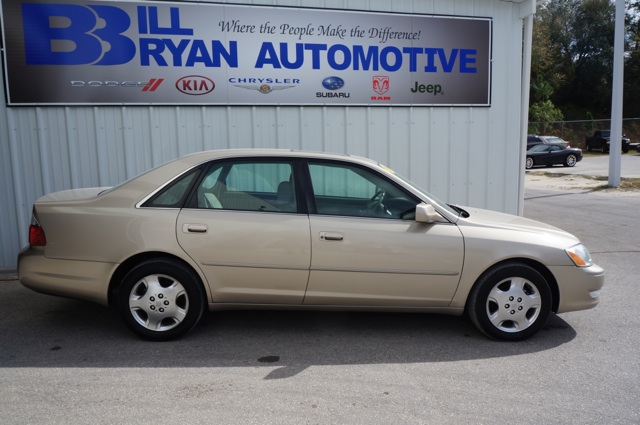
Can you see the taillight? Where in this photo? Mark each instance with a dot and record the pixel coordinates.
(36, 234)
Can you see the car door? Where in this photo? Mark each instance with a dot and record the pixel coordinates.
(597, 140)
(367, 250)
(243, 229)
(556, 155)
(545, 157)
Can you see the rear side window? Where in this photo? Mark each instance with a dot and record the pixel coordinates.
(247, 185)
(174, 194)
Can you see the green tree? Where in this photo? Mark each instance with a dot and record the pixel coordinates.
(543, 112)
(573, 39)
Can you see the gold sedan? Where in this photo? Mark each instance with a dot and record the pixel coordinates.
(284, 229)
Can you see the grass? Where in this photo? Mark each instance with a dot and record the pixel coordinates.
(629, 184)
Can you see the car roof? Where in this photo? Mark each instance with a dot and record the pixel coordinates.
(150, 180)
(204, 156)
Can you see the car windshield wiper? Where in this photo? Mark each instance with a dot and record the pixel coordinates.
(460, 211)
(409, 214)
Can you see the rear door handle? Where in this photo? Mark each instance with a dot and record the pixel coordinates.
(331, 236)
(194, 228)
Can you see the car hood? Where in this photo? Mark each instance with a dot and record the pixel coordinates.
(502, 221)
(72, 195)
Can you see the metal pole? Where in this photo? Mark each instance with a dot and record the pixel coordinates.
(524, 106)
(615, 144)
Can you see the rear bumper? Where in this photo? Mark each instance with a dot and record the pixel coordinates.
(579, 287)
(86, 280)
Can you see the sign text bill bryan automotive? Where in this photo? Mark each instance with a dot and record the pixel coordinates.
(99, 52)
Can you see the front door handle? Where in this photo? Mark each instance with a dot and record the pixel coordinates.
(331, 236)
(194, 228)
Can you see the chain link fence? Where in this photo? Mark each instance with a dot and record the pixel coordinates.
(575, 132)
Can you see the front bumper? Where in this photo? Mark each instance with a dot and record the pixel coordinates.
(579, 287)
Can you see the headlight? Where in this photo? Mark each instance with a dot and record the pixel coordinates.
(579, 255)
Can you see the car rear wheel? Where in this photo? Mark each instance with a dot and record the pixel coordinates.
(570, 161)
(511, 302)
(529, 163)
(161, 299)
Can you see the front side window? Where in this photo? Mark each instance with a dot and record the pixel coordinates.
(347, 190)
(540, 148)
(248, 186)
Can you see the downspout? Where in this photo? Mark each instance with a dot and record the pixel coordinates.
(527, 10)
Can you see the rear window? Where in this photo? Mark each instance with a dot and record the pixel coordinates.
(175, 193)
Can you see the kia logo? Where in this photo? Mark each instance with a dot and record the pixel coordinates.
(195, 85)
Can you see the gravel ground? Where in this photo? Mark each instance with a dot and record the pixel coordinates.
(557, 181)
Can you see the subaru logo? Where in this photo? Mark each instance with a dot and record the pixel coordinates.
(333, 83)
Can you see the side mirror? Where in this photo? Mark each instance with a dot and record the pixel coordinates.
(425, 213)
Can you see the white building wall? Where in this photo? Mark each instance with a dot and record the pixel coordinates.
(463, 155)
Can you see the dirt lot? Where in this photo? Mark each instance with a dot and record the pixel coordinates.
(556, 180)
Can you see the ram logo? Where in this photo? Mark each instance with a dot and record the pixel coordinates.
(380, 84)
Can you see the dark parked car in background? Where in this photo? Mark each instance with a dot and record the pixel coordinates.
(534, 139)
(601, 139)
(552, 154)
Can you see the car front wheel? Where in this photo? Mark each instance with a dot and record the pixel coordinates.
(510, 302)
(161, 299)
(570, 161)
(529, 163)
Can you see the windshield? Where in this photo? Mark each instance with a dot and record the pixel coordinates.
(408, 182)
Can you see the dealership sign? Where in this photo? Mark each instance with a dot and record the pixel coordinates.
(106, 52)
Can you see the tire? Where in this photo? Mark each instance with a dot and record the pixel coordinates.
(625, 150)
(570, 161)
(510, 302)
(161, 299)
(529, 163)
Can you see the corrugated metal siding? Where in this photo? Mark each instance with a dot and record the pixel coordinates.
(463, 155)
